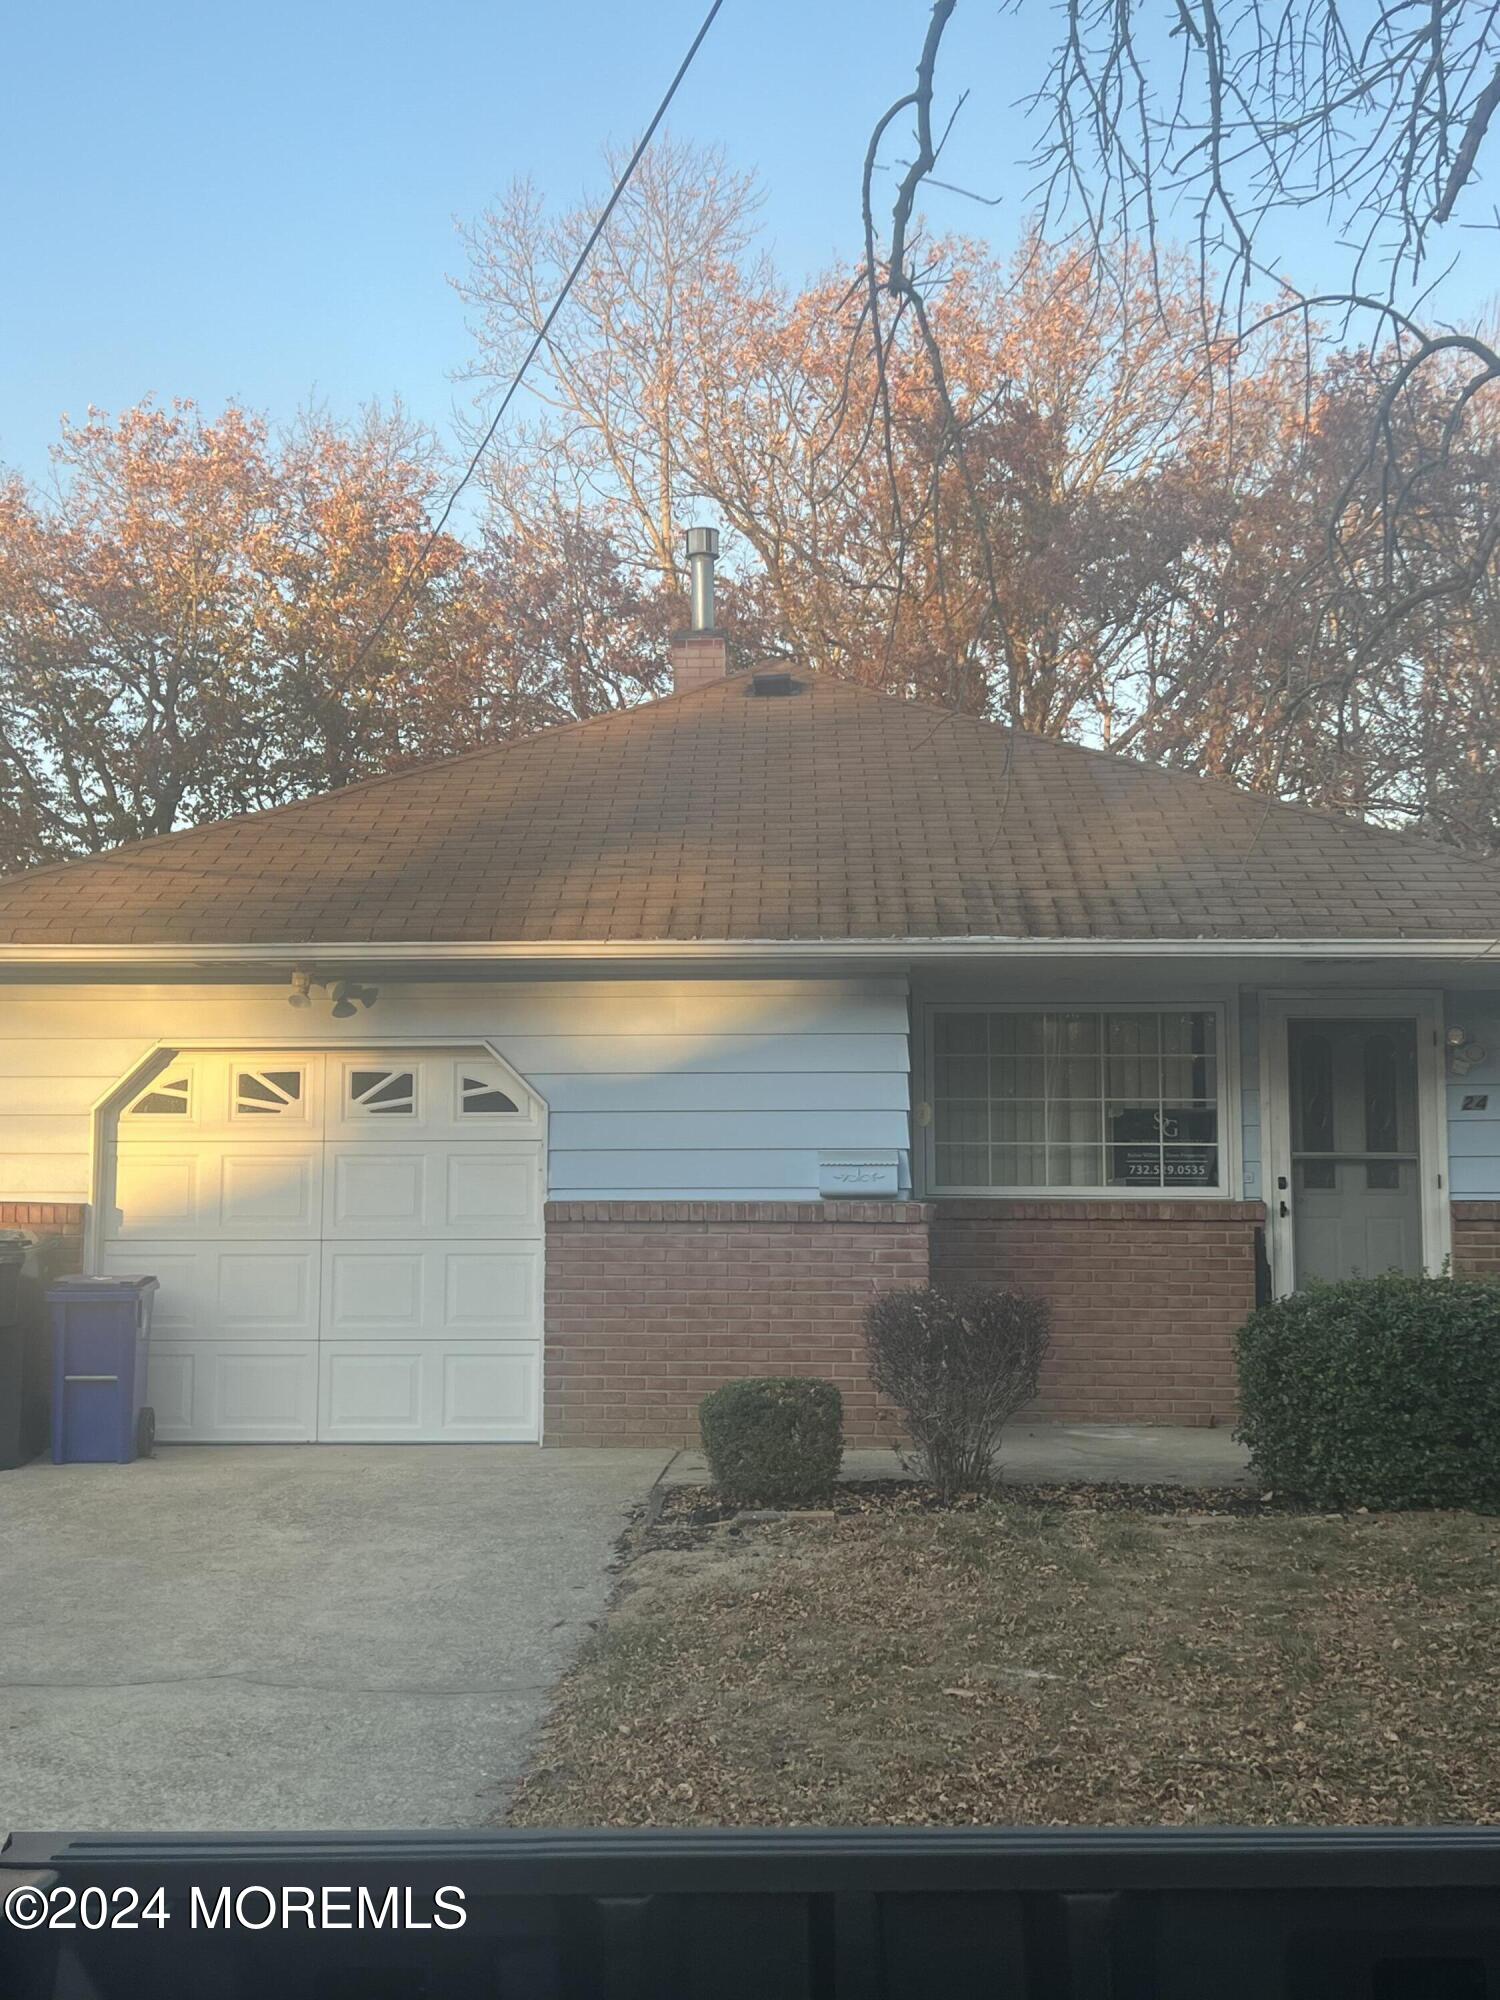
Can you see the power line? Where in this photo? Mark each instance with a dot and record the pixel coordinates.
(541, 335)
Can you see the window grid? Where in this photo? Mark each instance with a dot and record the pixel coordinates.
(479, 1096)
(169, 1096)
(1079, 1100)
(382, 1093)
(267, 1093)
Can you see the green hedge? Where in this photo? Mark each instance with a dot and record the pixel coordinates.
(777, 1438)
(1376, 1392)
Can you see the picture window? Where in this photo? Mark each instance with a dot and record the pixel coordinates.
(1084, 1100)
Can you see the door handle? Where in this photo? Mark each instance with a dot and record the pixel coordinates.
(1283, 1208)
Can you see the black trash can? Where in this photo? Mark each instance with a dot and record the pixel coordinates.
(14, 1386)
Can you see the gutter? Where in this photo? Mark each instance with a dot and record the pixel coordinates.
(693, 951)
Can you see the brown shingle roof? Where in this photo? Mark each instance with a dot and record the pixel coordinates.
(832, 813)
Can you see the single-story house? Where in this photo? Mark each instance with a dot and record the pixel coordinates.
(531, 1093)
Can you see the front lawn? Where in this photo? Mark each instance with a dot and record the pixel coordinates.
(1055, 1662)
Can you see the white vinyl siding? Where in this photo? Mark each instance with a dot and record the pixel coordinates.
(1474, 1101)
(674, 1089)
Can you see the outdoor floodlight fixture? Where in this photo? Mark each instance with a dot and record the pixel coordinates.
(1464, 1053)
(346, 995)
(348, 998)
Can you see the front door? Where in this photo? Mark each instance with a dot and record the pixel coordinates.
(1355, 1194)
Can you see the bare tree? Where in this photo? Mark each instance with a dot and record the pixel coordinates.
(611, 398)
(999, 533)
(1240, 123)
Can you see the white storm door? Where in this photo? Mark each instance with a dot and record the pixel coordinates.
(217, 1192)
(431, 1256)
(1356, 1197)
(1350, 1137)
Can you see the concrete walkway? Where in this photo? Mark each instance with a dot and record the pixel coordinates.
(304, 1636)
(1134, 1454)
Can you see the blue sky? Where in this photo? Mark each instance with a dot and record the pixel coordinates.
(215, 202)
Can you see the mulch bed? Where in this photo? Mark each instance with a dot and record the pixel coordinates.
(683, 1510)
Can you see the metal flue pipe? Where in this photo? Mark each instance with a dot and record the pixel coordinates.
(702, 551)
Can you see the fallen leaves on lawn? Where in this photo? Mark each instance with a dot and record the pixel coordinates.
(1026, 1661)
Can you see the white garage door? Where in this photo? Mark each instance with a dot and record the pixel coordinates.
(349, 1245)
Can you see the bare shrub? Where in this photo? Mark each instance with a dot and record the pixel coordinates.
(958, 1365)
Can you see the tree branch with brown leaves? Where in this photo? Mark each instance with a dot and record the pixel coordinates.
(1240, 121)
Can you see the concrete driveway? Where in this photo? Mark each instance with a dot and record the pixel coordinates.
(308, 1636)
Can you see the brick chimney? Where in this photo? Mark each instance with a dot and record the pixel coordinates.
(699, 654)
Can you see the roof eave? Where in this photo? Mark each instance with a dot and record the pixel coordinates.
(714, 951)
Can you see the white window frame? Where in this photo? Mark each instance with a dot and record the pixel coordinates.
(353, 1112)
(294, 1112)
(166, 1072)
(1231, 1150)
(461, 1111)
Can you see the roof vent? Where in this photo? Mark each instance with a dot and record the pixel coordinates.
(767, 685)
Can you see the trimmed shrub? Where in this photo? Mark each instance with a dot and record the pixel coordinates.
(958, 1365)
(1376, 1392)
(775, 1438)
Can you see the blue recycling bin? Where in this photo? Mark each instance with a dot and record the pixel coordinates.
(101, 1337)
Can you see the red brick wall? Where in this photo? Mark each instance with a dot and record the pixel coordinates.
(57, 1230)
(1145, 1297)
(650, 1304)
(1476, 1239)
